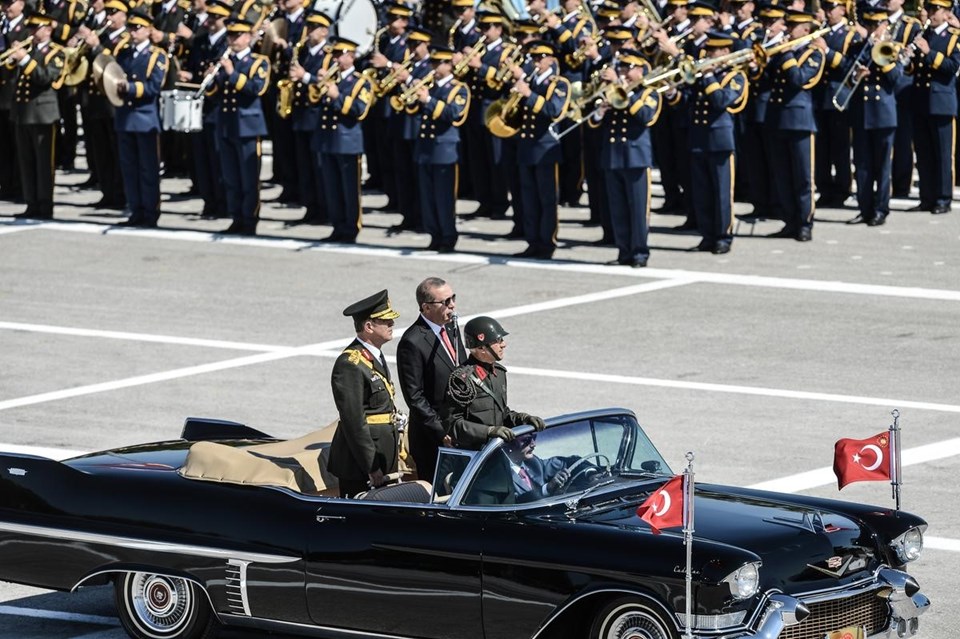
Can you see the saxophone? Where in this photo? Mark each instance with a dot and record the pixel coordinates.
(286, 86)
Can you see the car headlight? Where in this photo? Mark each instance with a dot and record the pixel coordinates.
(744, 582)
(909, 545)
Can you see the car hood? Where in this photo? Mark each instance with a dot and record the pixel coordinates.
(803, 548)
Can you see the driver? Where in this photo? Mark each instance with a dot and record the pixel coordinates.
(534, 477)
(476, 404)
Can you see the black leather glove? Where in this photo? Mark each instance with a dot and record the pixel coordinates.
(502, 432)
(536, 422)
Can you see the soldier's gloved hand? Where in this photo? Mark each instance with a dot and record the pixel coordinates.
(502, 432)
(536, 422)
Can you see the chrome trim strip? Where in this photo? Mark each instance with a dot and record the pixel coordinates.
(144, 544)
(311, 629)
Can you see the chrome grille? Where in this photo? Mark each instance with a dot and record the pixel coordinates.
(236, 587)
(863, 609)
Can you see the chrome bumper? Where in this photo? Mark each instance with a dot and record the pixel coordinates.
(901, 591)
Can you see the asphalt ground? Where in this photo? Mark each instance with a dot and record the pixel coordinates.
(757, 361)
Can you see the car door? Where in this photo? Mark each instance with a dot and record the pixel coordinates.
(395, 568)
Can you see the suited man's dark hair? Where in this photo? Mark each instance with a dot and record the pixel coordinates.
(424, 288)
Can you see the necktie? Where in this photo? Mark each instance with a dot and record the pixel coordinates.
(446, 342)
(525, 477)
(383, 362)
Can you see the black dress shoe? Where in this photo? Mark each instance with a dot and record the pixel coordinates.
(544, 254)
(514, 234)
(704, 245)
(804, 235)
(923, 206)
(720, 249)
(900, 194)
(131, 222)
(400, 228)
(640, 262)
(861, 219)
(528, 252)
(750, 218)
(877, 220)
(668, 208)
(446, 247)
(941, 209)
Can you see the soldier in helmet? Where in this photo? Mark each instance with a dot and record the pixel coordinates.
(477, 407)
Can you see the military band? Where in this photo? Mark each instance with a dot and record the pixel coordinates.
(771, 103)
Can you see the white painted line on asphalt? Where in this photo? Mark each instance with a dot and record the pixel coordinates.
(138, 337)
(7, 229)
(825, 476)
(466, 258)
(728, 388)
(59, 616)
(941, 543)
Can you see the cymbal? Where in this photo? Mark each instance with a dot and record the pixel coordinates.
(113, 75)
(98, 64)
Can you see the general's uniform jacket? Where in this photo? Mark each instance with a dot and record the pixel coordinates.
(842, 49)
(476, 400)
(935, 74)
(713, 103)
(146, 72)
(366, 439)
(35, 97)
(625, 133)
(340, 132)
(440, 117)
(306, 114)
(791, 103)
(874, 105)
(241, 115)
(546, 104)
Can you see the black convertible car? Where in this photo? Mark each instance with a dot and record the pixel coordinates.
(227, 526)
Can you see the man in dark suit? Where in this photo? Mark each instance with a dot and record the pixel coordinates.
(365, 446)
(534, 477)
(35, 114)
(428, 353)
(476, 408)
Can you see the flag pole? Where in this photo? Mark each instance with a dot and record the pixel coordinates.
(688, 539)
(895, 481)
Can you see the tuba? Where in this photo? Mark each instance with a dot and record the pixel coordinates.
(502, 117)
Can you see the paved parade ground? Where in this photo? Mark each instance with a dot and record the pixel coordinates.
(758, 361)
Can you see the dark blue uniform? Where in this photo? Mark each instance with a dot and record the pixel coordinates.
(873, 112)
(137, 124)
(409, 193)
(488, 176)
(305, 117)
(206, 51)
(713, 101)
(435, 153)
(339, 140)
(759, 147)
(282, 135)
(790, 114)
(240, 125)
(568, 34)
(935, 111)
(832, 170)
(626, 155)
(538, 154)
(904, 30)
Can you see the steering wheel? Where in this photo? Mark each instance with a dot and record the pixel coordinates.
(582, 472)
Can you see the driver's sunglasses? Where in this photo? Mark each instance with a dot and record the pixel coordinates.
(525, 440)
(447, 302)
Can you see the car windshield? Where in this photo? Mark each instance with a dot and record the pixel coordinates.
(564, 460)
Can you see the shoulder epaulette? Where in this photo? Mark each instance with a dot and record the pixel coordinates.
(357, 357)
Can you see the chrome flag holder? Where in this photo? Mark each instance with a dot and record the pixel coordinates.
(688, 540)
(895, 481)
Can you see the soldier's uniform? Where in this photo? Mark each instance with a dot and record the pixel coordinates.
(167, 16)
(713, 102)
(366, 439)
(790, 115)
(339, 140)
(625, 156)
(285, 172)
(935, 111)
(34, 116)
(435, 154)
(538, 154)
(240, 125)
(10, 189)
(137, 123)
(904, 30)
(573, 28)
(873, 113)
(315, 60)
(832, 156)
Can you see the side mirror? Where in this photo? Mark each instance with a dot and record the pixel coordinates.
(651, 466)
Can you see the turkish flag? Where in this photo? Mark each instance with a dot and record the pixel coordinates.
(862, 459)
(664, 508)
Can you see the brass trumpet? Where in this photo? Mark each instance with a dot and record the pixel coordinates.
(409, 96)
(505, 70)
(389, 81)
(318, 89)
(476, 51)
(26, 44)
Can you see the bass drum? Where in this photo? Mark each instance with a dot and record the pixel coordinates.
(352, 19)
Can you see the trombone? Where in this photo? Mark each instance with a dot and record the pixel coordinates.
(613, 93)
(882, 53)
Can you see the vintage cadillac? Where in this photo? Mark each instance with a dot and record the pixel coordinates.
(229, 527)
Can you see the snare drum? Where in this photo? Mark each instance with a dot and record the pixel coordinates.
(181, 111)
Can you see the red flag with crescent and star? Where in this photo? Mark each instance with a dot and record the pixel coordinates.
(862, 459)
(664, 508)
